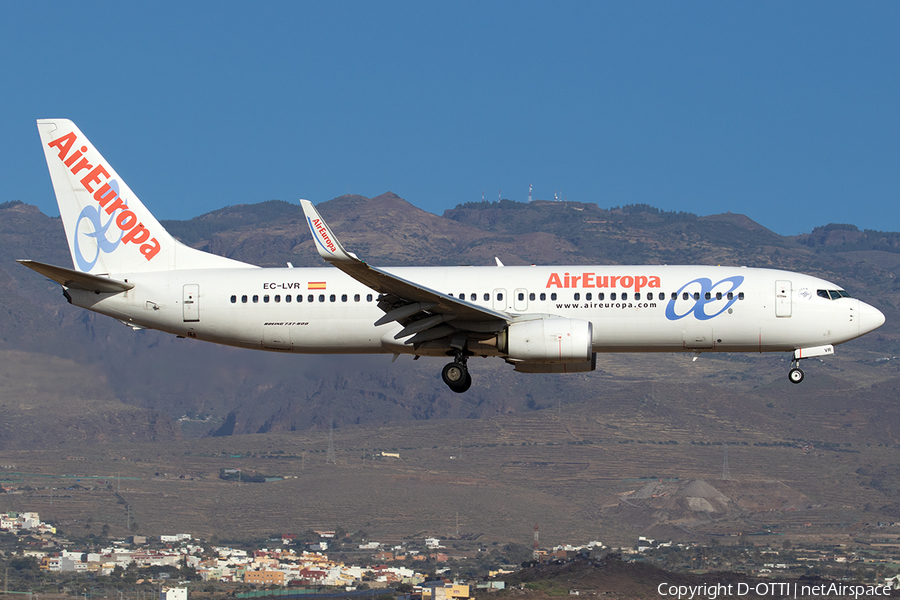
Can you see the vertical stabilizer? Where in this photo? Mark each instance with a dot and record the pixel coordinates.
(108, 229)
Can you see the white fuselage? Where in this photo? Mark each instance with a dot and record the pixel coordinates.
(632, 308)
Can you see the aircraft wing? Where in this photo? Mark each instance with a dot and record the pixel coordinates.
(402, 299)
(76, 279)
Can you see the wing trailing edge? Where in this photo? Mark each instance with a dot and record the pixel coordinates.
(401, 299)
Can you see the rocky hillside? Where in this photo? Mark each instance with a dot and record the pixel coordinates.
(227, 391)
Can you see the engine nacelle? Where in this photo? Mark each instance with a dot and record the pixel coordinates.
(549, 340)
(572, 367)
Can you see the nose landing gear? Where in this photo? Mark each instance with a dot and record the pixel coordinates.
(456, 375)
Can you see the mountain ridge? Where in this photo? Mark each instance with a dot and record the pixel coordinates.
(243, 391)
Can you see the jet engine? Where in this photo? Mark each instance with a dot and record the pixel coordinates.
(548, 340)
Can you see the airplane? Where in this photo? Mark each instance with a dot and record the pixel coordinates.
(539, 319)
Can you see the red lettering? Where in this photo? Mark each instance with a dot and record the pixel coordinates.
(126, 220)
(105, 194)
(63, 144)
(93, 177)
(82, 164)
(150, 249)
(593, 280)
(116, 205)
(75, 156)
(137, 235)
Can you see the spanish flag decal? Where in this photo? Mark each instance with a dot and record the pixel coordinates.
(316, 285)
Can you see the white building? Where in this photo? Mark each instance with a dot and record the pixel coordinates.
(175, 594)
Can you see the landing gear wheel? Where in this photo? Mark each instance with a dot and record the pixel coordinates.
(795, 375)
(465, 386)
(457, 377)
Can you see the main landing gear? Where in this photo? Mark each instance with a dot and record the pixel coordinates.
(795, 375)
(456, 374)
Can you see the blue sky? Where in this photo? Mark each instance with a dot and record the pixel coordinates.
(784, 111)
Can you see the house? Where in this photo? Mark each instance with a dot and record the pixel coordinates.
(264, 577)
(175, 594)
(444, 591)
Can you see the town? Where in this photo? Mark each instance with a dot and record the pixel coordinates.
(41, 559)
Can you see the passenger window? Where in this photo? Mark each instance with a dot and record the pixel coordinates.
(730, 296)
(718, 295)
(637, 295)
(368, 297)
(321, 297)
(649, 296)
(473, 297)
(299, 298)
(624, 296)
(675, 296)
(588, 296)
(685, 296)
(287, 298)
(612, 296)
(696, 295)
(266, 298)
(462, 295)
(487, 297)
(499, 296)
(311, 298)
(543, 296)
(577, 296)
(741, 296)
(277, 297)
(234, 299)
(244, 299)
(601, 296)
(255, 298)
(707, 296)
(356, 297)
(531, 296)
(332, 297)
(553, 296)
(343, 297)
(521, 296)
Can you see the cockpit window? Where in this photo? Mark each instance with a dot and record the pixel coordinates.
(832, 294)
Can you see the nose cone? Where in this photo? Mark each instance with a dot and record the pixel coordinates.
(870, 318)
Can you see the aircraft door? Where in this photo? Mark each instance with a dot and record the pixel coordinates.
(500, 299)
(782, 298)
(520, 300)
(190, 302)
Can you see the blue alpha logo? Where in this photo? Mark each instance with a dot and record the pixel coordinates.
(92, 238)
(703, 298)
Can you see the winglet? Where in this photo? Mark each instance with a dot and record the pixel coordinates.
(326, 242)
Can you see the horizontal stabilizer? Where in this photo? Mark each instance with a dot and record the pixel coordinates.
(76, 279)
